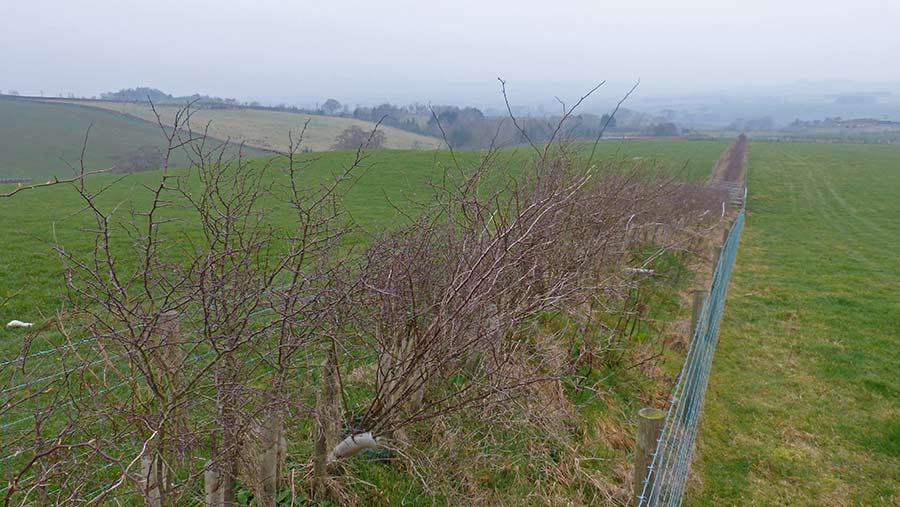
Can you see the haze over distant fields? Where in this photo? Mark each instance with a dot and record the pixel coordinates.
(359, 51)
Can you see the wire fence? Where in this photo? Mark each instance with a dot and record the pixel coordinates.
(666, 478)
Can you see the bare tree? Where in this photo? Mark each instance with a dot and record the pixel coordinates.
(352, 138)
(331, 106)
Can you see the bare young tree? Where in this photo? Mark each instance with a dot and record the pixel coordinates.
(450, 292)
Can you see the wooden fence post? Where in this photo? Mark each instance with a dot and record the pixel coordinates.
(215, 490)
(650, 424)
(320, 464)
(229, 486)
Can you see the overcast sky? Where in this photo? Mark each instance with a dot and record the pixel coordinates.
(302, 52)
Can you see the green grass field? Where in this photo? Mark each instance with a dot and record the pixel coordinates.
(30, 272)
(35, 138)
(804, 402)
(268, 129)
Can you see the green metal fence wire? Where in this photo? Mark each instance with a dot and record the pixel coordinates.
(667, 475)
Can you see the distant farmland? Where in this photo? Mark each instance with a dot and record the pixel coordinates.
(37, 139)
(267, 129)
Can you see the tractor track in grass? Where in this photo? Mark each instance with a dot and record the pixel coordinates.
(838, 213)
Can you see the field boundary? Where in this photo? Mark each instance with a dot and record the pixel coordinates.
(667, 470)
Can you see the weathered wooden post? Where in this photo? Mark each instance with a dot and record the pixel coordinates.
(151, 479)
(229, 484)
(650, 424)
(331, 399)
(320, 459)
(328, 417)
(215, 490)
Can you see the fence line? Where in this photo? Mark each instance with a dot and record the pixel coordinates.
(666, 478)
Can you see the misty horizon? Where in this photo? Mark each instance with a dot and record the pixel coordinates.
(403, 52)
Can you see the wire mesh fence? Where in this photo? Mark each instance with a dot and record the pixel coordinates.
(666, 478)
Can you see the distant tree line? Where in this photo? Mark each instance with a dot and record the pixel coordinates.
(463, 127)
(469, 127)
(143, 93)
(139, 94)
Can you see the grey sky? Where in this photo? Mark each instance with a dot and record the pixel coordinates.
(403, 51)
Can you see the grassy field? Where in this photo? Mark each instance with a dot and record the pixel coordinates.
(29, 272)
(804, 403)
(36, 138)
(268, 129)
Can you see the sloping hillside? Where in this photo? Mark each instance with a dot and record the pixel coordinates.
(268, 129)
(37, 139)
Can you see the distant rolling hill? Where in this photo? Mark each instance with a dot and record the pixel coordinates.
(37, 139)
(265, 129)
